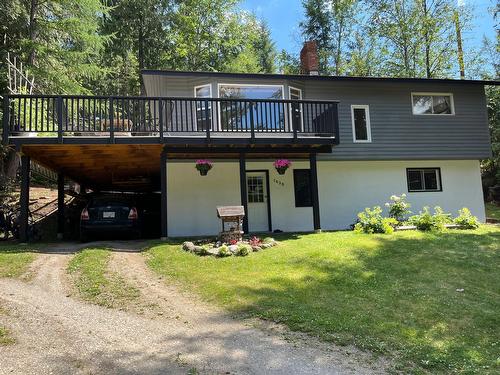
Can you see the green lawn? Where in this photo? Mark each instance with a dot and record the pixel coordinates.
(15, 259)
(493, 211)
(393, 294)
(94, 283)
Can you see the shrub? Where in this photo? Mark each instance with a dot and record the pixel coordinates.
(466, 220)
(243, 250)
(426, 221)
(224, 251)
(268, 240)
(398, 207)
(371, 221)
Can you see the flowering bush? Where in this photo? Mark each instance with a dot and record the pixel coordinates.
(466, 220)
(398, 207)
(203, 166)
(371, 221)
(255, 241)
(426, 221)
(282, 165)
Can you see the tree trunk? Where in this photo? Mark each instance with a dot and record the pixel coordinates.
(32, 30)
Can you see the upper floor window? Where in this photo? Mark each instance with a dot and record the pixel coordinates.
(432, 103)
(423, 179)
(203, 108)
(361, 131)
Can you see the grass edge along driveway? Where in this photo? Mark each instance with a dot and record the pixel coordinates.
(431, 301)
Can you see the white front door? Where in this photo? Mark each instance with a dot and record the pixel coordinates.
(257, 202)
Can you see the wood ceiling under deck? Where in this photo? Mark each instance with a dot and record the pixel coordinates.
(137, 167)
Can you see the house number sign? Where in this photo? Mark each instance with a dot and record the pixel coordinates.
(278, 182)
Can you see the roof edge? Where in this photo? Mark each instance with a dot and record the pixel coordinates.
(181, 73)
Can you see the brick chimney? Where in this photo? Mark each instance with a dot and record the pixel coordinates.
(309, 58)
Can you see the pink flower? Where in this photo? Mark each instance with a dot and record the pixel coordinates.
(282, 163)
(204, 162)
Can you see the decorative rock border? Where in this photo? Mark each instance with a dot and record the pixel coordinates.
(218, 249)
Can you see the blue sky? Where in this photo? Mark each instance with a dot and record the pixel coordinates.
(284, 16)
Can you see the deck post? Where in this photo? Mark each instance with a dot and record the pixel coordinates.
(314, 192)
(59, 106)
(60, 206)
(24, 199)
(243, 191)
(163, 183)
(111, 121)
(6, 120)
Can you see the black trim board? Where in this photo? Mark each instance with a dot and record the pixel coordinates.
(179, 73)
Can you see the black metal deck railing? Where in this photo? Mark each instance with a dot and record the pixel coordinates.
(93, 116)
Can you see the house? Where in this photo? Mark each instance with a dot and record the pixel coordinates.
(352, 141)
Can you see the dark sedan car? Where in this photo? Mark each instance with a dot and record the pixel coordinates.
(106, 215)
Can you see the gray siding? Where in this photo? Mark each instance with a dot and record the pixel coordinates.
(397, 134)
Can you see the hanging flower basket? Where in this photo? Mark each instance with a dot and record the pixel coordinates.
(282, 165)
(203, 166)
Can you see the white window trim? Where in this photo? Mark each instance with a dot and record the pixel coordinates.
(290, 88)
(244, 84)
(452, 103)
(210, 95)
(366, 107)
(200, 86)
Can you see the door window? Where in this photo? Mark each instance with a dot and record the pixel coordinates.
(255, 189)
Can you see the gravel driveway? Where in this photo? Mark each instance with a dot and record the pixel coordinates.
(167, 332)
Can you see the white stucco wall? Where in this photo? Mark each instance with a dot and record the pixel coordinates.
(345, 188)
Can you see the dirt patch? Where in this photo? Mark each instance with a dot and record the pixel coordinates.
(165, 331)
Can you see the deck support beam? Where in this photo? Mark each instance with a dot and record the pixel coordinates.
(314, 192)
(24, 199)
(243, 191)
(163, 183)
(60, 206)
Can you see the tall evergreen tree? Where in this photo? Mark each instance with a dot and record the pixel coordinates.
(317, 26)
(265, 48)
(59, 40)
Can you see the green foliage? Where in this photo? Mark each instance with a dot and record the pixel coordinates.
(243, 250)
(288, 63)
(224, 251)
(491, 167)
(398, 207)
(466, 220)
(371, 221)
(58, 40)
(426, 221)
(330, 24)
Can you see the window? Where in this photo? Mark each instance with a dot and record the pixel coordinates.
(432, 104)
(361, 131)
(295, 108)
(203, 115)
(302, 186)
(236, 114)
(424, 179)
(255, 189)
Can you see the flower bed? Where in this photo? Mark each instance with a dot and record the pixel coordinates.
(219, 249)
